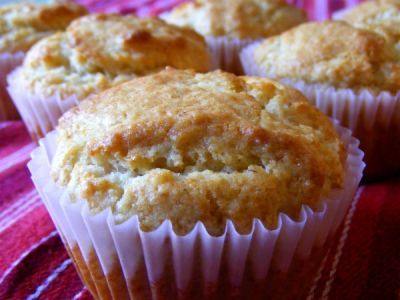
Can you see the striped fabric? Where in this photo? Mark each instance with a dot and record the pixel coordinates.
(363, 264)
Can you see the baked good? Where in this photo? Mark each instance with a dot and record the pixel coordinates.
(261, 137)
(97, 52)
(237, 18)
(349, 73)
(229, 25)
(21, 26)
(194, 191)
(332, 53)
(382, 17)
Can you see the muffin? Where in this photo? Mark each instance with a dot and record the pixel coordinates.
(381, 17)
(94, 53)
(21, 26)
(229, 25)
(351, 74)
(209, 185)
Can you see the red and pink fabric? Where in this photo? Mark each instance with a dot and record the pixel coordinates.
(316, 9)
(363, 264)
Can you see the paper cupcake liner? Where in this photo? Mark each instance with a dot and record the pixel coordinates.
(39, 113)
(8, 62)
(373, 118)
(224, 53)
(339, 14)
(121, 261)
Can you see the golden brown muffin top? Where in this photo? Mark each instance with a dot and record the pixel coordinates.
(237, 18)
(23, 24)
(381, 17)
(99, 51)
(331, 53)
(198, 147)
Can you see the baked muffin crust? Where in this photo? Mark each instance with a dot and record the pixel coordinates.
(99, 51)
(22, 25)
(381, 17)
(237, 18)
(331, 53)
(198, 147)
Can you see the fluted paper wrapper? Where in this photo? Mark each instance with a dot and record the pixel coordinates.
(121, 261)
(39, 113)
(224, 53)
(8, 62)
(373, 118)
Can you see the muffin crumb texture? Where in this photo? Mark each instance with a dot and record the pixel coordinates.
(331, 53)
(237, 18)
(191, 147)
(99, 51)
(23, 24)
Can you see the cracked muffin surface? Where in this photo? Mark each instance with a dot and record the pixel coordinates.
(192, 147)
(331, 53)
(237, 18)
(22, 25)
(99, 51)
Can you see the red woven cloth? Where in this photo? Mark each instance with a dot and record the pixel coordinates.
(363, 264)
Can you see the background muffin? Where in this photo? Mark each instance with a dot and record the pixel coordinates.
(230, 24)
(331, 53)
(21, 26)
(95, 53)
(238, 18)
(348, 73)
(382, 17)
(167, 190)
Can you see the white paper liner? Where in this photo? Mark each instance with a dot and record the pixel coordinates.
(373, 118)
(339, 14)
(39, 113)
(8, 62)
(263, 248)
(224, 53)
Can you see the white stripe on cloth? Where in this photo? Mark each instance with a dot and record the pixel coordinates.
(42, 287)
(23, 199)
(342, 242)
(79, 295)
(16, 158)
(317, 278)
(5, 124)
(25, 254)
(20, 212)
